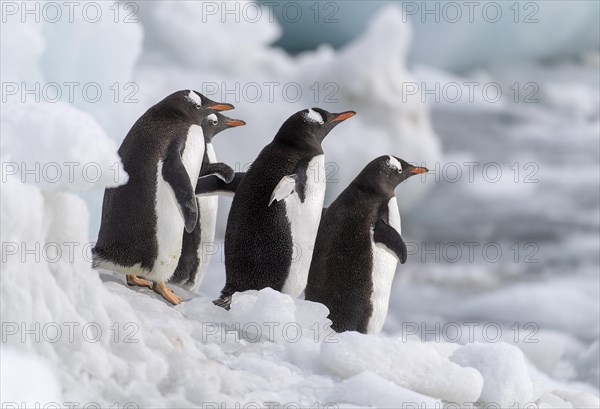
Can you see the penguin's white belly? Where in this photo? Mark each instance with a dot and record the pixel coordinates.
(382, 275)
(208, 206)
(304, 221)
(208, 222)
(169, 219)
(193, 153)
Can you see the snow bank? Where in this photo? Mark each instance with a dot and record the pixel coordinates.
(22, 46)
(368, 389)
(193, 32)
(535, 303)
(58, 148)
(410, 364)
(26, 371)
(506, 381)
(472, 34)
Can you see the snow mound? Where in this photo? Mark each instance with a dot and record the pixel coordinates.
(506, 381)
(22, 47)
(533, 303)
(370, 389)
(412, 365)
(194, 32)
(267, 307)
(58, 148)
(25, 371)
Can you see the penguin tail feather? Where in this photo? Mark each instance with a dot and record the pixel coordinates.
(223, 302)
(96, 259)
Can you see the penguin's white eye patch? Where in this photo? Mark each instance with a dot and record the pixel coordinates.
(195, 98)
(213, 119)
(395, 164)
(314, 116)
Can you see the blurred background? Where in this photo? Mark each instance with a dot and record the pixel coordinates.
(500, 100)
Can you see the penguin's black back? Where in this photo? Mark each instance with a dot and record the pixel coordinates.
(340, 271)
(258, 238)
(127, 233)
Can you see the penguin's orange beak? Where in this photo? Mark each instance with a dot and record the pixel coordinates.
(234, 122)
(343, 116)
(419, 170)
(221, 107)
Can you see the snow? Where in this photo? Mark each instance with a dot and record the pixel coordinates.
(72, 151)
(473, 34)
(195, 35)
(26, 371)
(270, 346)
(412, 365)
(506, 381)
(98, 58)
(368, 389)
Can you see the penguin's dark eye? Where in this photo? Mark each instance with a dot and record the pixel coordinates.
(214, 122)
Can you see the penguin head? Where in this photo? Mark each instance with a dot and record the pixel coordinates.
(386, 172)
(214, 123)
(310, 126)
(193, 105)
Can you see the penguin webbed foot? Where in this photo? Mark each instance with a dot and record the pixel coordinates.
(133, 280)
(168, 294)
(223, 302)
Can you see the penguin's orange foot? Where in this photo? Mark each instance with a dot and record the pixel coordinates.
(167, 293)
(135, 280)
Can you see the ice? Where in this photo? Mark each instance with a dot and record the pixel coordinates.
(96, 56)
(368, 389)
(506, 381)
(410, 364)
(535, 304)
(527, 32)
(26, 371)
(578, 399)
(194, 33)
(58, 147)
(22, 46)
(587, 363)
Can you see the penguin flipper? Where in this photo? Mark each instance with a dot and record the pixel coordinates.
(285, 187)
(390, 238)
(175, 174)
(220, 170)
(212, 184)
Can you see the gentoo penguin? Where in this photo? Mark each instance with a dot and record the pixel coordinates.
(194, 260)
(276, 209)
(143, 221)
(358, 246)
